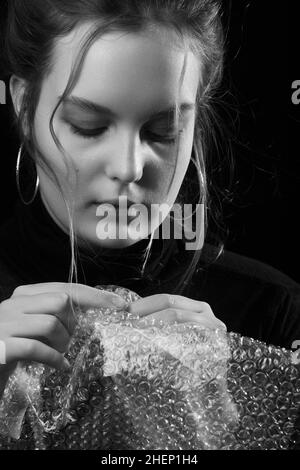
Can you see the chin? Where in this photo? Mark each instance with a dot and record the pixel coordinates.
(90, 236)
(114, 244)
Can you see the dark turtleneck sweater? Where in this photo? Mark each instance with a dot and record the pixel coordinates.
(250, 297)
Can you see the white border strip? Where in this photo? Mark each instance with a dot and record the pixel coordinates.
(2, 352)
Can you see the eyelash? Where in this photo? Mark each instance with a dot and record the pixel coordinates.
(97, 132)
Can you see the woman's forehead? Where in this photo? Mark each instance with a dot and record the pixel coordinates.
(120, 65)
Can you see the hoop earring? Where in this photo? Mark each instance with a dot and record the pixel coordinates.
(27, 203)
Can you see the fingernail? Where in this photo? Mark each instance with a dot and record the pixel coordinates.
(119, 302)
(223, 326)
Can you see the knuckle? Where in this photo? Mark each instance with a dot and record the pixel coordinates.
(19, 290)
(58, 299)
(205, 306)
(29, 349)
(169, 299)
(5, 305)
(51, 325)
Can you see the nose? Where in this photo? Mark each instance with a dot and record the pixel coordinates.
(125, 162)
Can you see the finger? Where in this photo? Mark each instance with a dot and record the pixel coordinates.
(56, 304)
(157, 302)
(171, 316)
(84, 296)
(31, 350)
(45, 328)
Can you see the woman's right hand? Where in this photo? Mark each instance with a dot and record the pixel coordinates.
(37, 322)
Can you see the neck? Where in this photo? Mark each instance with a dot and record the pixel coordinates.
(38, 250)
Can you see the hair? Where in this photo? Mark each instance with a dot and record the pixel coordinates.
(31, 30)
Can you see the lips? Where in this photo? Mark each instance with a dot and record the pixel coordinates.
(121, 202)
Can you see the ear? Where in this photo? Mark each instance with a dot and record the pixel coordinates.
(17, 87)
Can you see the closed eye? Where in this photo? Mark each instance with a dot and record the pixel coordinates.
(97, 132)
(87, 133)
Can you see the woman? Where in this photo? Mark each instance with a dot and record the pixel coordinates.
(112, 98)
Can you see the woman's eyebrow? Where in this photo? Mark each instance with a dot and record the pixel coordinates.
(88, 105)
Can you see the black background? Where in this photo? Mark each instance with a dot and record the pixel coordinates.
(262, 219)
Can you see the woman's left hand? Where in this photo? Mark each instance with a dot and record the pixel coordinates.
(174, 308)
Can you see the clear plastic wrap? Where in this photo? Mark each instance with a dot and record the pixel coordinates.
(167, 387)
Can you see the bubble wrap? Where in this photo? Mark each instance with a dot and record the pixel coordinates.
(162, 387)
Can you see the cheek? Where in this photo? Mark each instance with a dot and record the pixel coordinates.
(175, 175)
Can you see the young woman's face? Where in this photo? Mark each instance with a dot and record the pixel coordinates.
(111, 129)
